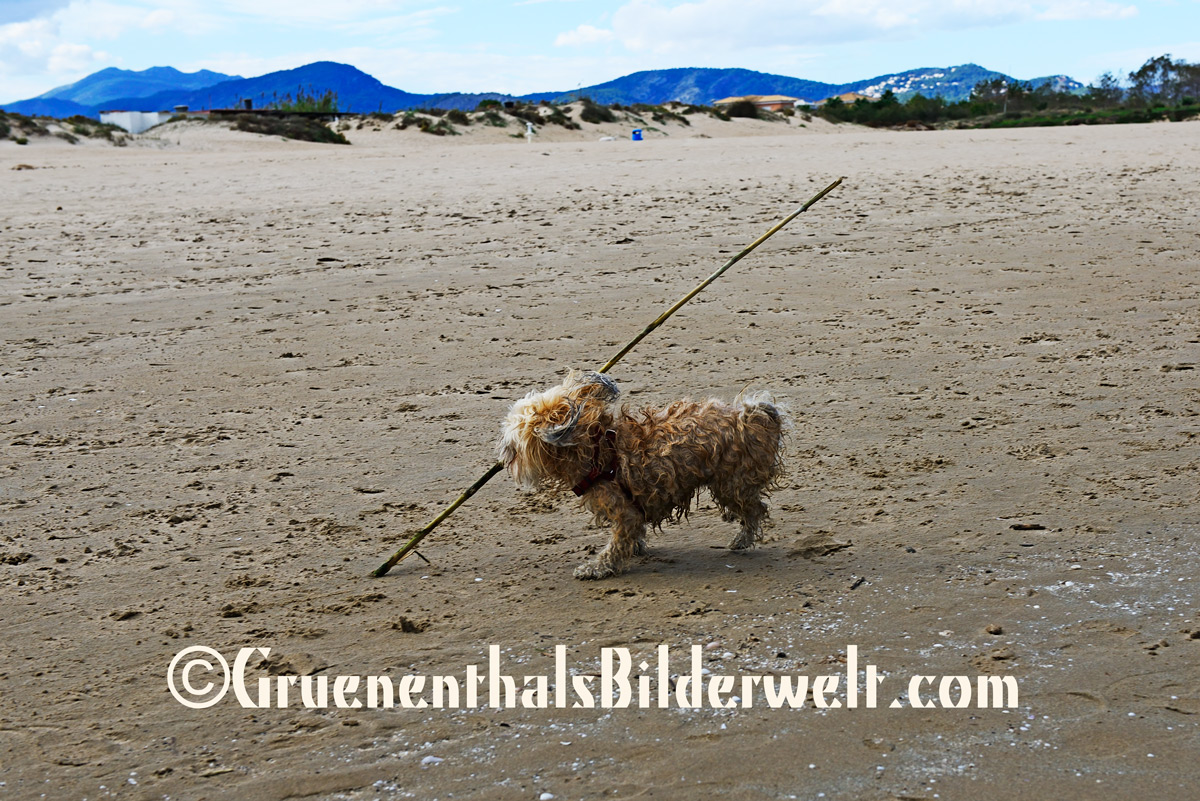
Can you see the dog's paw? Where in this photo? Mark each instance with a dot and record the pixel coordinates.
(589, 571)
(741, 542)
(640, 548)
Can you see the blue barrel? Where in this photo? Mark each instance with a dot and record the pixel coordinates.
(637, 134)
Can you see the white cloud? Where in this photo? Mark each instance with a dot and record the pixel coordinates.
(298, 12)
(458, 70)
(38, 46)
(417, 24)
(729, 25)
(63, 43)
(65, 58)
(160, 19)
(1086, 9)
(95, 19)
(583, 35)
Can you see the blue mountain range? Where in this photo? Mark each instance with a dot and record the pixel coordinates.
(163, 88)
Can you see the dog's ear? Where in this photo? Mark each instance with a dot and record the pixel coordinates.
(594, 386)
(559, 428)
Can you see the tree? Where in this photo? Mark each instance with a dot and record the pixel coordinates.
(992, 91)
(1155, 82)
(1188, 78)
(925, 109)
(1106, 91)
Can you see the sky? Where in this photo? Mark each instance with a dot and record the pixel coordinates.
(523, 46)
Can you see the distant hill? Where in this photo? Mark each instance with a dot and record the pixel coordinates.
(1059, 83)
(950, 83)
(698, 85)
(356, 91)
(702, 86)
(163, 88)
(100, 87)
(60, 109)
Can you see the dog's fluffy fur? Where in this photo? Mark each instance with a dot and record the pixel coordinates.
(662, 458)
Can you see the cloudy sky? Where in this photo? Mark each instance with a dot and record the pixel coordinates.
(523, 46)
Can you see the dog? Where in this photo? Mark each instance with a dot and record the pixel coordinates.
(634, 470)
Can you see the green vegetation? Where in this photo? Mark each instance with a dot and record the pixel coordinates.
(307, 101)
(712, 111)
(660, 114)
(490, 116)
(19, 127)
(426, 121)
(439, 128)
(86, 126)
(534, 114)
(1021, 119)
(499, 114)
(742, 108)
(1161, 89)
(595, 113)
(304, 129)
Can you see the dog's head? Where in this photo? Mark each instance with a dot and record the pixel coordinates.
(549, 437)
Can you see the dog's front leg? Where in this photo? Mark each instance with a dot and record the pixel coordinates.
(628, 533)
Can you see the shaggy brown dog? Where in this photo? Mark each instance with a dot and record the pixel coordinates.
(644, 468)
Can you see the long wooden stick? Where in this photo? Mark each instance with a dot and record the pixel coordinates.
(411, 545)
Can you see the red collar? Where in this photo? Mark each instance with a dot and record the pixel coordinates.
(598, 474)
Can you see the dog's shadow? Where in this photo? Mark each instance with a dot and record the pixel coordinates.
(701, 561)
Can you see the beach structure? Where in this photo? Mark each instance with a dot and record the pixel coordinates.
(138, 121)
(135, 121)
(847, 98)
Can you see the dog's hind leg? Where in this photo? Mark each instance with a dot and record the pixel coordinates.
(628, 535)
(751, 516)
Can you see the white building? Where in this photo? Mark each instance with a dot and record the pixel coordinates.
(135, 121)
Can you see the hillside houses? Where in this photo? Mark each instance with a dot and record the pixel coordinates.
(780, 102)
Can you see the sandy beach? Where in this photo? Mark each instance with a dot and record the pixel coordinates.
(238, 370)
